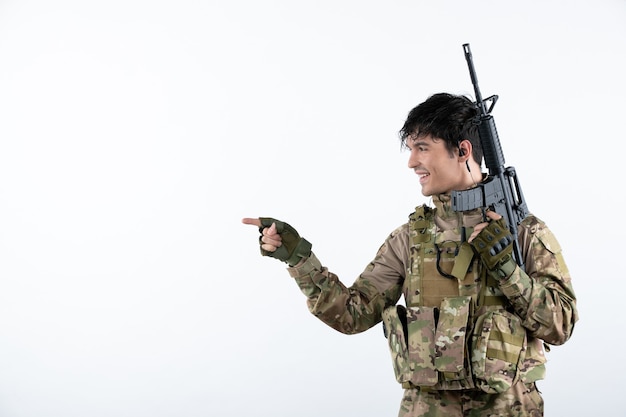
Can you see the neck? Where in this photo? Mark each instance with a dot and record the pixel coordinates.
(473, 175)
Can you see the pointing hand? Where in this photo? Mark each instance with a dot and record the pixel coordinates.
(280, 240)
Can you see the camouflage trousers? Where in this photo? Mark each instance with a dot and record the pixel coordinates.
(521, 400)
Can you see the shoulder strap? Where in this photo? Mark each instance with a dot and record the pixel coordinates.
(421, 235)
(420, 223)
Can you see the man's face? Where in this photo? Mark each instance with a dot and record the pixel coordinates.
(439, 170)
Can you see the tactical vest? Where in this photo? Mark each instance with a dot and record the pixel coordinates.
(456, 331)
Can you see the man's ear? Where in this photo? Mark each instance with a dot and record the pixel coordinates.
(465, 149)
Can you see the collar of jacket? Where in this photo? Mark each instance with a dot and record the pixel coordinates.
(446, 218)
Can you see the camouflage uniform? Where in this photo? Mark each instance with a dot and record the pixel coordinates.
(451, 367)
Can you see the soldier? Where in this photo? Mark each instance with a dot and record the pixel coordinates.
(469, 339)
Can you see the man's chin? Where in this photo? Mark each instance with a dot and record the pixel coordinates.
(429, 192)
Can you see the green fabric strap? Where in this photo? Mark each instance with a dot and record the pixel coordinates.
(502, 339)
(462, 261)
(507, 338)
(509, 357)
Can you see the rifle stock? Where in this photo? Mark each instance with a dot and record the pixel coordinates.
(501, 191)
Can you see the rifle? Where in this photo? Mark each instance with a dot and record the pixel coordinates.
(501, 190)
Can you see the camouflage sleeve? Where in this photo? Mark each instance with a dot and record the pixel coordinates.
(359, 307)
(542, 294)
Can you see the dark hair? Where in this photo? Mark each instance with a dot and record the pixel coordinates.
(444, 116)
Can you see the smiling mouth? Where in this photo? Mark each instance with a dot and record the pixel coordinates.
(423, 177)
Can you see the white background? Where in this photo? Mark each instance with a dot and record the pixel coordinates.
(136, 134)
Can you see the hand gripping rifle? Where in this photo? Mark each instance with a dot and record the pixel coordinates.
(501, 191)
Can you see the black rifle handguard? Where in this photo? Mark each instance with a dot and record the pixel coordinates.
(501, 191)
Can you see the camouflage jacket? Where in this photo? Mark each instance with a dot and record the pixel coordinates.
(541, 296)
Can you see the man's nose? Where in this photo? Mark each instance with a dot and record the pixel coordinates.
(413, 160)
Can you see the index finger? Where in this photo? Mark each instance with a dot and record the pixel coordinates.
(254, 222)
(493, 215)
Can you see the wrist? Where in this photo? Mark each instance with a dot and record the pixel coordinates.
(305, 267)
(504, 269)
(301, 251)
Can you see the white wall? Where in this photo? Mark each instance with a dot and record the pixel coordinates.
(136, 134)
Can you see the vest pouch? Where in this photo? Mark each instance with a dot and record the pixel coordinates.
(421, 326)
(410, 335)
(533, 368)
(394, 325)
(450, 337)
(498, 350)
